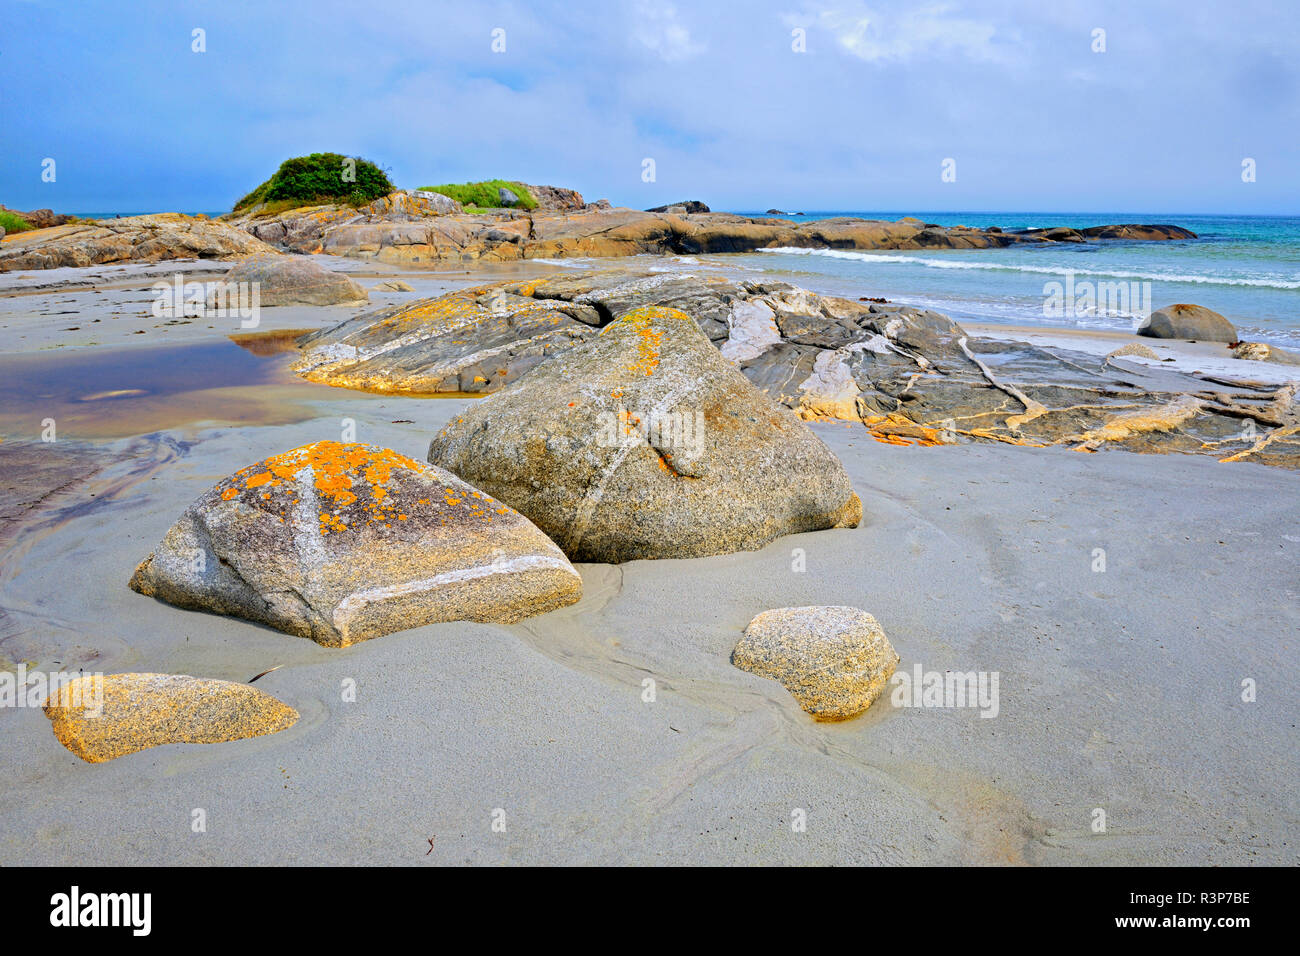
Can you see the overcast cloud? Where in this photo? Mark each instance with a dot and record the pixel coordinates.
(715, 94)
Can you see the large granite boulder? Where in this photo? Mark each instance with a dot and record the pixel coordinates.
(290, 280)
(101, 717)
(1183, 321)
(646, 443)
(835, 661)
(133, 239)
(345, 542)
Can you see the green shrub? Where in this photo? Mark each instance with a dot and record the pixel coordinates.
(484, 194)
(318, 178)
(13, 223)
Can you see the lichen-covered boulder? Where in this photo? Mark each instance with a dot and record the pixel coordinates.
(835, 661)
(1184, 321)
(646, 443)
(345, 542)
(288, 280)
(100, 717)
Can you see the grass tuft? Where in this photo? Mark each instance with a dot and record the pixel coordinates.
(483, 195)
(13, 223)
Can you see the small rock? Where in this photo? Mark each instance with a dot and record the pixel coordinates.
(1183, 321)
(393, 285)
(1259, 352)
(102, 717)
(835, 661)
(506, 197)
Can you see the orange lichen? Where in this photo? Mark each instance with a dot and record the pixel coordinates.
(647, 323)
(338, 472)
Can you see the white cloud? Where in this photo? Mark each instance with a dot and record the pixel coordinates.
(659, 30)
(929, 30)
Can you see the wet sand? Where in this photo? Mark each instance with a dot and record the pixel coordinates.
(1119, 689)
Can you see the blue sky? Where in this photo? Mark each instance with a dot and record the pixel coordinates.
(714, 93)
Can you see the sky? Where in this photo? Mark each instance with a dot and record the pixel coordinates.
(792, 104)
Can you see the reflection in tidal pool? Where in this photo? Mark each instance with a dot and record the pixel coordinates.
(113, 393)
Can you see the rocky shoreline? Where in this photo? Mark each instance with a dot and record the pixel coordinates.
(420, 227)
(910, 375)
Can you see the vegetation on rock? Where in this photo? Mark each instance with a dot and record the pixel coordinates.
(485, 194)
(319, 178)
(13, 223)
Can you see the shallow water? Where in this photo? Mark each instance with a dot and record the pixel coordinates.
(113, 393)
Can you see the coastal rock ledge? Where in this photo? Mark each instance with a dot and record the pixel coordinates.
(835, 661)
(646, 443)
(346, 542)
(101, 717)
(132, 239)
(910, 375)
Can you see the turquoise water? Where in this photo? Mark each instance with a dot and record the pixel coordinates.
(1246, 267)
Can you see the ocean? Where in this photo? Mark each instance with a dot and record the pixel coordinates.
(1246, 267)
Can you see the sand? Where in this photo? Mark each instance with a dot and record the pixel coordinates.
(1119, 690)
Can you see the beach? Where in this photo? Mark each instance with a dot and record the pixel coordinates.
(1121, 683)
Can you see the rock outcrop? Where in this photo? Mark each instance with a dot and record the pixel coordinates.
(1183, 321)
(133, 239)
(689, 206)
(563, 225)
(645, 443)
(557, 198)
(835, 661)
(471, 341)
(911, 375)
(1137, 231)
(346, 542)
(392, 222)
(101, 717)
(429, 227)
(40, 218)
(290, 280)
